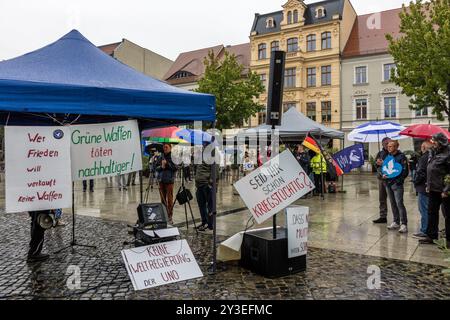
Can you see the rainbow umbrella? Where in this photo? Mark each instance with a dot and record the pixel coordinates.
(163, 135)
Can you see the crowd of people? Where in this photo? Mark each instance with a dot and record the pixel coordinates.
(429, 174)
(429, 171)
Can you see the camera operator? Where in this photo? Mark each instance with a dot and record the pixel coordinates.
(166, 170)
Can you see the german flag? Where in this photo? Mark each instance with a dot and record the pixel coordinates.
(311, 144)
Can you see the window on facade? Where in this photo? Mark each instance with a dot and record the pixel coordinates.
(292, 45)
(387, 71)
(390, 107)
(289, 17)
(326, 111)
(269, 23)
(361, 109)
(262, 51)
(288, 105)
(360, 75)
(263, 78)
(320, 12)
(311, 110)
(311, 77)
(295, 16)
(261, 118)
(326, 75)
(311, 42)
(326, 40)
(275, 46)
(289, 78)
(422, 113)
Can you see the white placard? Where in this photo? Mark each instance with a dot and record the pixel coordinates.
(274, 186)
(297, 230)
(104, 150)
(37, 168)
(160, 264)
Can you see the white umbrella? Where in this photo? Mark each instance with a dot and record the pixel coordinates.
(376, 131)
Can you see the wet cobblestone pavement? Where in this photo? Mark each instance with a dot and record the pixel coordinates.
(330, 274)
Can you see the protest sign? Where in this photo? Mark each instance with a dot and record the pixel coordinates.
(274, 186)
(160, 264)
(37, 168)
(104, 150)
(297, 230)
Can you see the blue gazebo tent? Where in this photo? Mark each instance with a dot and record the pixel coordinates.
(72, 81)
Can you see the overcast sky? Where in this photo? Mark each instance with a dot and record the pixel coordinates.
(166, 27)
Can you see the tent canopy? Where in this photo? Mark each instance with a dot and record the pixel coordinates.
(294, 124)
(72, 77)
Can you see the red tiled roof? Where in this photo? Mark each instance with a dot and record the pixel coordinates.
(366, 40)
(192, 61)
(242, 53)
(109, 48)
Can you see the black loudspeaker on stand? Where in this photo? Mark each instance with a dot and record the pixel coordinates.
(276, 83)
(275, 101)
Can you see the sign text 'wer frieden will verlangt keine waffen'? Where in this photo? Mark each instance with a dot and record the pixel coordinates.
(274, 186)
(103, 150)
(37, 168)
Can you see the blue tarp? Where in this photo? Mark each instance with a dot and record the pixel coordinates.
(72, 77)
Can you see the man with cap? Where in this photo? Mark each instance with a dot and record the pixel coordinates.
(382, 191)
(438, 167)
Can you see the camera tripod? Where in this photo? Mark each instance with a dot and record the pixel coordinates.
(182, 189)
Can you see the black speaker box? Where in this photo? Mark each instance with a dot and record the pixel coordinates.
(268, 257)
(153, 215)
(275, 90)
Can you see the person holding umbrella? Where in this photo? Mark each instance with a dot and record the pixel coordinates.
(437, 170)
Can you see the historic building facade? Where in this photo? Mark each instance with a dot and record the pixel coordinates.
(313, 36)
(367, 91)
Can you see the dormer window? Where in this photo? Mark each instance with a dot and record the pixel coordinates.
(289, 17)
(181, 74)
(270, 23)
(295, 16)
(320, 12)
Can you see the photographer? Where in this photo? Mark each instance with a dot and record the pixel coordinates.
(166, 171)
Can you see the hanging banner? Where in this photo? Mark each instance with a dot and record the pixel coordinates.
(350, 158)
(104, 150)
(273, 186)
(160, 264)
(37, 168)
(297, 230)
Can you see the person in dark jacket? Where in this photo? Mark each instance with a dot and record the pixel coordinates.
(37, 238)
(382, 192)
(166, 170)
(420, 180)
(203, 183)
(438, 191)
(395, 189)
(303, 158)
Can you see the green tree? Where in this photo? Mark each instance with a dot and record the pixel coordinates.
(422, 55)
(235, 95)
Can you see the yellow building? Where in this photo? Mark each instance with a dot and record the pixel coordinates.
(313, 36)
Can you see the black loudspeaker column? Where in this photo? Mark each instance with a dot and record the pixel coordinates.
(276, 83)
